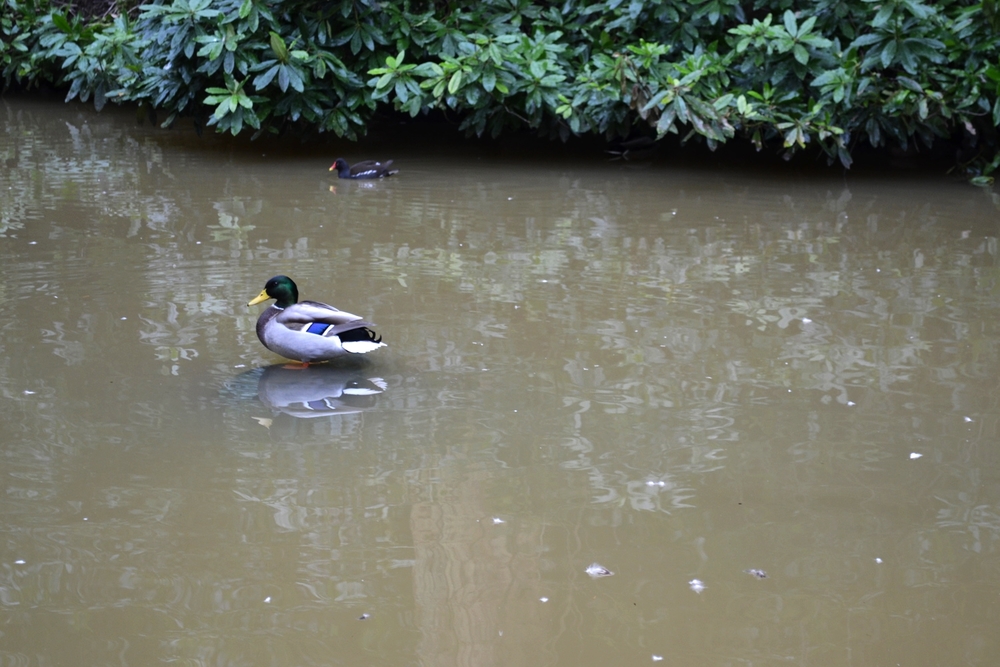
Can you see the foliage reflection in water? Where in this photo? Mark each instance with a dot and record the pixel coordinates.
(684, 375)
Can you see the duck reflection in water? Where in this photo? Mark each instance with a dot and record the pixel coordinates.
(318, 391)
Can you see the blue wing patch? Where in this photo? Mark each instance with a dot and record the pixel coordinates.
(318, 328)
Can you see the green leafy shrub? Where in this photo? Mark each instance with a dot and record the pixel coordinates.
(830, 74)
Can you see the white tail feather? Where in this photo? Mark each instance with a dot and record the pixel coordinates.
(361, 346)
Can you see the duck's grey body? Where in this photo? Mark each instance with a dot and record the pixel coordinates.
(311, 331)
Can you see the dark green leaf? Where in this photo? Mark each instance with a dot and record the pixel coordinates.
(59, 21)
(295, 78)
(883, 15)
(909, 84)
(867, 40)
(262, 80)
(278, 46)
(489, 81)
(800, 53)
(888, 53)
(789, 20)
(455, 82)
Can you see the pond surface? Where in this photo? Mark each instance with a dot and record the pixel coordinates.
(767, 403)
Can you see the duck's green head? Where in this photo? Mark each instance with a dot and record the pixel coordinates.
(279, 288)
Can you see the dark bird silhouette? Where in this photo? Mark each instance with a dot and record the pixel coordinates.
(366, 169)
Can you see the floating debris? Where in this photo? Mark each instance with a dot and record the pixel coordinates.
(696, 585)
(497, 521)
(656, 482)
(915, 455)
(597, 570)
(754, 572)
(657, 658)
(20, 561)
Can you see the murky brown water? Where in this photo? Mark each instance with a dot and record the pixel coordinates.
(678, 374)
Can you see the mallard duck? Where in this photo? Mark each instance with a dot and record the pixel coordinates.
(309, 331)
(366, 169)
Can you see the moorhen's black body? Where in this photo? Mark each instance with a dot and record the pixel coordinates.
(366, 169)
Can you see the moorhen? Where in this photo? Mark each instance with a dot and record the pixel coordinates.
(366, 169)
